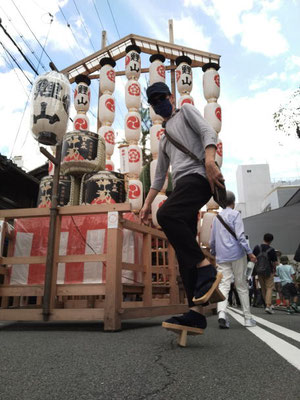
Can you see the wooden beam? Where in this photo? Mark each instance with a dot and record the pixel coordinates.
(21, 290)
(94, 209)
(85, 289)
(25, 213)
(147, 278)
(21, 314)
(133, 267)
(154, 311)
(133, 226)
(77, 314)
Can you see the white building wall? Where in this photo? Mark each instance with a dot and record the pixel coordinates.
(253, 184)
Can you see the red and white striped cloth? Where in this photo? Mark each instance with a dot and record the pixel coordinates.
(79, 235)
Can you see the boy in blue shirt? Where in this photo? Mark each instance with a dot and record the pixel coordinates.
(287, 276)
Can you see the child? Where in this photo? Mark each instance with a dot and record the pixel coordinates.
(286, 274)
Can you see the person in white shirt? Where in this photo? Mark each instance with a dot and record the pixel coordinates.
(231, 257)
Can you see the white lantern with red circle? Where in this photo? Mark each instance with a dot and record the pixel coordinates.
(157, 70)
(50, 108)
(82, 94)
(213, 115)
(206, 228)
(219, 153)
(133, 95)
(184, 74)
(107, 75)
(132, 126)
(156, 132)
(106, 108)
(185, 99)
(135, 159)
(211, 81)
(81, 122)
(108, 134)
(156, 204)
(133, 62)
(135, 194)
(109, 165)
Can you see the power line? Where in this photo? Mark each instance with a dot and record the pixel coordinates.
(46, 39)
(98, 16)
(15, 44)
(69, 26)
(84, 25)
(16, 62)
(23, 39)
(113, 18)
(10, 64)
(31, 29)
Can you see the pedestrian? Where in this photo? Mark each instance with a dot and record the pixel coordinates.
(287, 276)
(193, 182)
(277, 281)
(229, 244)
(265, 269)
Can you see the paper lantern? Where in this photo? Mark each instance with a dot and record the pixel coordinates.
(82, 94)
(184, 74)
(211, 81)
(135, 159)
(50, 107)
(109, 165)
(157, 70)
(108, 134)
(156, 132)
(133, 62)
(107, 75)
(81, 122)
(82, 152)
(206, 228)
(106, 109)
(133, 95)
(186, 98)
(133, 126)
(156, 204)
(102, 187)
(213, 115)
(219, 153)
(135, 194)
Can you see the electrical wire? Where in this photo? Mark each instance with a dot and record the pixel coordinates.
(69, 26)
(113, 19)
(16, 62)
(84, 26)
(23, 39)
(45, 43)
(98, 15)
(10, 65)
(30, 29)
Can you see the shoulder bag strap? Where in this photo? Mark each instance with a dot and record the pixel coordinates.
(226, 226)
(182, 148)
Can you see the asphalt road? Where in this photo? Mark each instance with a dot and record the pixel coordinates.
(41, 361)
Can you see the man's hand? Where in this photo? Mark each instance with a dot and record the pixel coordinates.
(214, 175)
(144, 213)
(252, 258)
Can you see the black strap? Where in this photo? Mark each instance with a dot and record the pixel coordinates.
(182, 148)
(226, 226)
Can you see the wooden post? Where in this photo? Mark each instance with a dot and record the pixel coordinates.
(172, 63)
(51, 236)
(55, 262)
(174, 289)
(103, 44)
(147, 262)
(113, 287)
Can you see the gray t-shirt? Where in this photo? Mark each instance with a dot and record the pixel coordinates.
(189, 128)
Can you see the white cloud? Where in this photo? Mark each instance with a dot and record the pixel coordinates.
(191, 34)
(259, 32)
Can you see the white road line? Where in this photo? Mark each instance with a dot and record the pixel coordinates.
(289, 352)
(277, 328)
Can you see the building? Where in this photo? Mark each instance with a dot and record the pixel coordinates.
(253, 185)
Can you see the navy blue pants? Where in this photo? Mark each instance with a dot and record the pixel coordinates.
(178, 217)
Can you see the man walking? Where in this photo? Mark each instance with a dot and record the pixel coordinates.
(265, 269)
(228, 243)
(287, 276)
(193, 181)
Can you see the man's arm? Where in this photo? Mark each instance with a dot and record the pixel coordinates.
(213, 173)
(240, 234)
(145, 211)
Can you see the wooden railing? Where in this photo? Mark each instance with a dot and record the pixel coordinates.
(158, 291)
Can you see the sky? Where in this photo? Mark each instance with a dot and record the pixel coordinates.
(258, 42)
